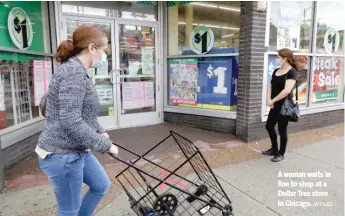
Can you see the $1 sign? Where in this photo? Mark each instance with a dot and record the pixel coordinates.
(220, 73)
(331, 40)
(201, 40)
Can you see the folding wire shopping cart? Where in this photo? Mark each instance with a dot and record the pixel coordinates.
(179, 182)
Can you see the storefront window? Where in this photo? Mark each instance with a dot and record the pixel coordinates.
(328, 80)
(147, 11)
(207, 82)
(222, 17)
(24, 78)
(207, 29)
(291, 26)
(330, 29)
(23, 83)
(302, 76)
(320, 78)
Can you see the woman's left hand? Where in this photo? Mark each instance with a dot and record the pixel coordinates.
(106, 135)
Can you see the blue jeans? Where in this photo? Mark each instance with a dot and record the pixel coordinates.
(67, 172)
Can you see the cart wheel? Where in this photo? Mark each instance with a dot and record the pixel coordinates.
(145, 211)
(199, 192)
(227, 211)
(166, 204)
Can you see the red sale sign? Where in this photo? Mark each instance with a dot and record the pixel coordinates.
(327, 73)
(326, 78)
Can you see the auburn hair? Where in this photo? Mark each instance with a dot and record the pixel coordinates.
(82, 37)
(287, 53)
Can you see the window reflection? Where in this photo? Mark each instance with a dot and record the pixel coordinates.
(330, 29)
(291, 26)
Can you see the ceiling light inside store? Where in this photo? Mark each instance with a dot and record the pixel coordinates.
(216, 6)
(230, 35)
(230, 28)
(212, 26)
(205, 5)
(230, 9)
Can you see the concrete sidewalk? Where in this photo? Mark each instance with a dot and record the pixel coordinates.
(27, 173)
(250, 181)
(253, 185)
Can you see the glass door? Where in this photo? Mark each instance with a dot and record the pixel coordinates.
(101, 77)
(136, 77)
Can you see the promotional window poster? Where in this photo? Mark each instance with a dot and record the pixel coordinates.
(183, 78)
(327, 79)
(217, 81)
(204, 82)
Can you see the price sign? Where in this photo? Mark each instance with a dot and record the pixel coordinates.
(201, 40)
(331, 40)
(288, 37)
(20, 28)
(220, 73)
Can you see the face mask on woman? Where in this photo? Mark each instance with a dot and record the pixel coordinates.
(99, 63)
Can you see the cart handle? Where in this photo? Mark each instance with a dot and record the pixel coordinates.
(119, 159)
(126, 149)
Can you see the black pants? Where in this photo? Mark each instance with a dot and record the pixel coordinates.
(274, 117)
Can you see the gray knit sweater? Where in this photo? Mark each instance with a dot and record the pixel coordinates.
(71, 112)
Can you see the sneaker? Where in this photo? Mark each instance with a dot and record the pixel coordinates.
(269, 152)
(277, 158)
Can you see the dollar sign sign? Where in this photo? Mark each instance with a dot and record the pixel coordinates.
(329, 38)
(331, 41)
(17, 26)
(210, 71)
(197, 38)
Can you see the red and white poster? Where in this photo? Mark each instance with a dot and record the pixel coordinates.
(137, 95)
(42, 71)
(326, 78)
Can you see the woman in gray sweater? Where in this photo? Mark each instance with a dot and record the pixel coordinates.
(72, 130)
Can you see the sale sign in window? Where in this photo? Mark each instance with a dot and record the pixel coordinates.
(327, 78)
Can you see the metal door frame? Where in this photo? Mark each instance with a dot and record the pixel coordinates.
(108, 122)
(158, 76)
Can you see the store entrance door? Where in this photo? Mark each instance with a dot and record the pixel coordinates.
(127, 86)
(136, 77)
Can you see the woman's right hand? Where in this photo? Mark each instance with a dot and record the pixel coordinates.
(114, 149)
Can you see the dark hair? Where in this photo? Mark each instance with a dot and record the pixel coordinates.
(287, 53)
(82, 37)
